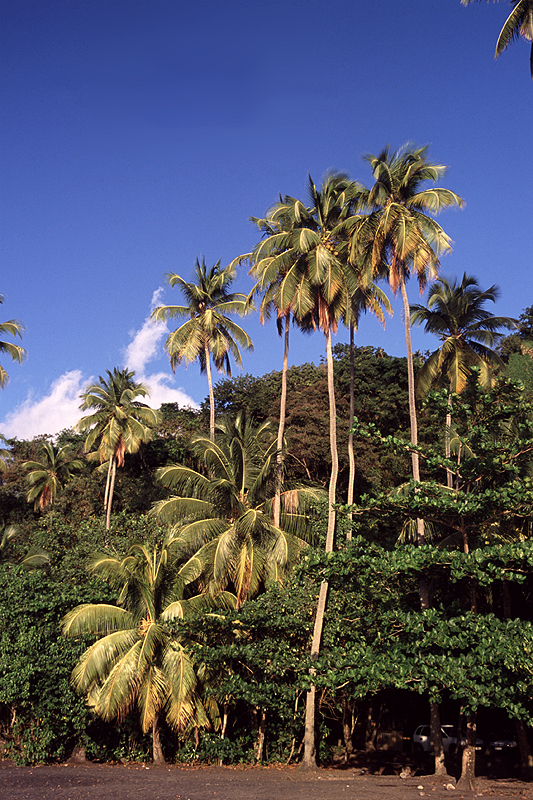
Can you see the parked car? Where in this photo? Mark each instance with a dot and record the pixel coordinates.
(505, 745)
(422, 739)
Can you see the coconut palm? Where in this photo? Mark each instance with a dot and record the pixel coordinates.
(519, 24)
(14, 328)
(208, 332)
(316, 289)
(270, 262)
(119, 424)
(455, 313)
(400, 237)
(137, 661)
(225, 514)
(47, 477)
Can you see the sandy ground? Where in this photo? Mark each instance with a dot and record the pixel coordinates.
(145, 782)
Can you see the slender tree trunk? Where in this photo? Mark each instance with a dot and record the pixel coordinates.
(467, 781)
(332, 498)
(351, 456)
(281, 427)
(447, 440)
(224, 727)
(372, 723)
(261, 734)
(526, 759)
(436, 739)
(211, 393)
(309, 757)
(108, 481)
(415, 461)
(347, 726)
(110, 498)
(157, 751)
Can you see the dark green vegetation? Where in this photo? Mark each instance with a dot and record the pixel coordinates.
(382, 657)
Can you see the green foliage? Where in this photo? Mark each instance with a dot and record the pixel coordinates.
(41, 719)
(223, 512)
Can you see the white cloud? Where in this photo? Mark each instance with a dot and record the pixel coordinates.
(57, 410)
(144, 347)
(146, 342)
(60, 408)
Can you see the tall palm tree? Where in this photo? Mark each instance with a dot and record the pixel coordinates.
(137, 660)
(518, 24)
(119, 423)
(317, 289)
(400, 237)
(455, 313)
(224, 516)
(14, 328)
(270, 261)
(47, 477)
(208, 332)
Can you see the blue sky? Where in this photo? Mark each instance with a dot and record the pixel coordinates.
(137, 135)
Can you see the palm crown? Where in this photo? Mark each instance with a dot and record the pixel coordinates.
(208, 331)
(223, 518)
(119, 424)
(47, 477)
(137, 660)
(455, 313)
(14, 328)
(518, 24)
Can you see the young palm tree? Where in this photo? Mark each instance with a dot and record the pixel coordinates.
(47, 477)
(14, 328)
(119, 423)
(225, 515)
(137, 660)
(455, 313)
(35, 557)
(208, 332)
(518, 24)
(400, 237)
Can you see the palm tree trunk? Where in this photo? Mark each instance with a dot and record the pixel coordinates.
(211, 393)
(447, 440)
(108, 480)
(415, 461)
(309, 757)
(351, 457)
(281, 427)
(110, 497)
(332, 495)
(261, 734)
(157, 751)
